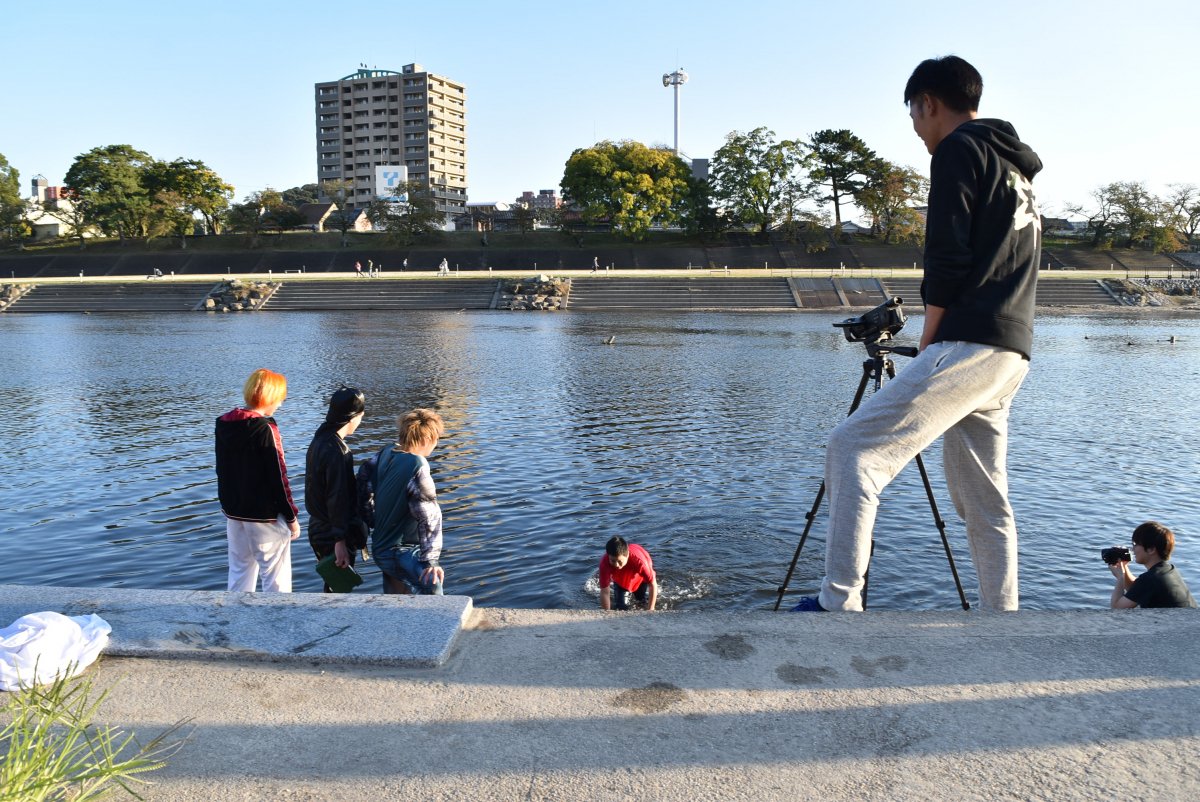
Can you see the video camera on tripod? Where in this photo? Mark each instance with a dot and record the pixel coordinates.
(879, 324)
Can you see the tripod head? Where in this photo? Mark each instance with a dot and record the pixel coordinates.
(882, 347)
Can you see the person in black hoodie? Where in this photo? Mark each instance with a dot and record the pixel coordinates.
(982, 246)
(252, 484)
(330, 490)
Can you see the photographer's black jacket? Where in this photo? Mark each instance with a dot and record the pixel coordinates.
(983, 236)
(331, 492)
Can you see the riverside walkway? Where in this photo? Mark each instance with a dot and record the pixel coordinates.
(581, 705)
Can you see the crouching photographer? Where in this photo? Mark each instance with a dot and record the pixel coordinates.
(1160, 585)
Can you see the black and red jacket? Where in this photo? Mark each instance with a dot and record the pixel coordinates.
(252, 481)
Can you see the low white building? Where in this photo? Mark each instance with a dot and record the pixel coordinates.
(47, 211)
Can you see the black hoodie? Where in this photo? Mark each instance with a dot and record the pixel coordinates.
(983, 236)
(252, 481)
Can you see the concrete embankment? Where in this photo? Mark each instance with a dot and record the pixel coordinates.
(538, 704)
(676, 291)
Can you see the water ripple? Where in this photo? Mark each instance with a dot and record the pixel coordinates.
(700, 436)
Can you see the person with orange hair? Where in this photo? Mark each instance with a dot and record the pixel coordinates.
(252, 485)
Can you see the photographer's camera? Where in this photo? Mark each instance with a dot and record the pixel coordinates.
(1116, 554)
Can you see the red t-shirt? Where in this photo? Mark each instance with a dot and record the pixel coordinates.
(630, 576)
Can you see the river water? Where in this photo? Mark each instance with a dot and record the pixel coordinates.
(700, 436)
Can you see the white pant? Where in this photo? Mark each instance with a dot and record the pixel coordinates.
(959, 389)
(256, 546)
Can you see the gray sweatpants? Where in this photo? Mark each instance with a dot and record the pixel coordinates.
(957, 389)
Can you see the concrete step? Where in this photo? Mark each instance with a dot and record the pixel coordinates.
(681, 294)
(160, 295)
(445, 293)
(1050, 292)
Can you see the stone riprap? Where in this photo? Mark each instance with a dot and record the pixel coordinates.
(1171, 292)
(539, 293)
(239, 296)
(11, 292)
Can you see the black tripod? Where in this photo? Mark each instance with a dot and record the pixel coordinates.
(875, 368)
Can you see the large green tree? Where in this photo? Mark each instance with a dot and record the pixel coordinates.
(629, 184)
(12, 206)
(755, 180)
(889, 195)
(839, 163)
(196, 188)
(110, 181)
(408, 220)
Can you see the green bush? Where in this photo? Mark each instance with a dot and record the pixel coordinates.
(51, 750)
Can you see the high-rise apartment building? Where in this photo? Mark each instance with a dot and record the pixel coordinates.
(381, 118)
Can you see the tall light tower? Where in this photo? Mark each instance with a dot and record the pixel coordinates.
(676, 79)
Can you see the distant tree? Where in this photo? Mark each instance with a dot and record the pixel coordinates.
(524, 218)
(700, 213)
(754, 178)
(298, 196)
(287, 217)
(408, 220)
(255, 214)
(838, 166)
(110, 180)
(170, 216)
(342, 217)
(627, 183)
(551, 217)
(198, 189)
(1127, 213)
(12, 206)
(889, 195)
(1101, 216)
(1136, 211)
(1183, 202)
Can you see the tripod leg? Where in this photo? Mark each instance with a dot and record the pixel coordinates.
(867, 574)
(810, 515)
(941, 527)
(871, 368)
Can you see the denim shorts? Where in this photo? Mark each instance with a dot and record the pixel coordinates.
(403, 563)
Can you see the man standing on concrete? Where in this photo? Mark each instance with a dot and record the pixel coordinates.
(982, 246)
(330, 490)
(626, 570)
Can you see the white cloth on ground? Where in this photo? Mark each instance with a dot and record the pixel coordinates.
(39, 647)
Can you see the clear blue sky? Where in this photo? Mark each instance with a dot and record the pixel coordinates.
(1103, 91)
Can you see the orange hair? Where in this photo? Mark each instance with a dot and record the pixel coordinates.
(263, 388)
